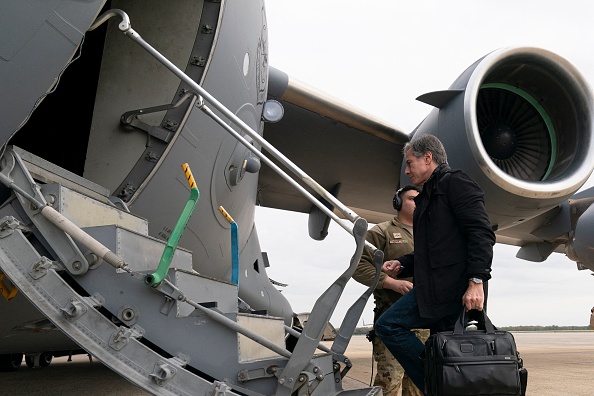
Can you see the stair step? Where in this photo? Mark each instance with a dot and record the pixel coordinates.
(85, 211)
(141, 252)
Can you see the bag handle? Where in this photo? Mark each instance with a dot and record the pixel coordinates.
(460, 325)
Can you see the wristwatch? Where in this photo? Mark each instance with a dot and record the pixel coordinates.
(476, 280)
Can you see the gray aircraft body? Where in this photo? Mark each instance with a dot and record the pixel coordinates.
(138, 138)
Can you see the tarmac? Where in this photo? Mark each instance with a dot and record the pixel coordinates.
(558, 363)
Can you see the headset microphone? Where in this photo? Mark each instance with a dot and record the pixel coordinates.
(397, 201)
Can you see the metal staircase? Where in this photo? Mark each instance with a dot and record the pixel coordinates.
(136, 329)
(84, 261)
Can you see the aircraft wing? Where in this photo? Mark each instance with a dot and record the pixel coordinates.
(353, 155)
(565, 228)
(530, 166)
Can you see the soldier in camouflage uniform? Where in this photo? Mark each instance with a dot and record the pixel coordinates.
(395, 238)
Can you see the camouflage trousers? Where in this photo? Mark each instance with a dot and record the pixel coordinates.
(390, 375)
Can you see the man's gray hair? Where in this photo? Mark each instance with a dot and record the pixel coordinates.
(427, 143)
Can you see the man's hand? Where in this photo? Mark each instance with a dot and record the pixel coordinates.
(400, 286)
(392, 267)
(474, 298)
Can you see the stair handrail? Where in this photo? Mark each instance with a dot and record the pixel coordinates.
(349, 214)
(357, 227)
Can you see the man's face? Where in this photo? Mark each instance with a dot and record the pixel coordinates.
(418, 169)
(408, 202)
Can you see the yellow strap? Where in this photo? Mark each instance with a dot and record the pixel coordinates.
(189, 176)
(7, 291)
(227, 215)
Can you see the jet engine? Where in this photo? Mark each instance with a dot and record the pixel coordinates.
(518, 121)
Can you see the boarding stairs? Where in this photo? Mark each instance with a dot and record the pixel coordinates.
(83, 260)
(134, 328)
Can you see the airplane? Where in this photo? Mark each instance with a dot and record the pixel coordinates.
(135, 242)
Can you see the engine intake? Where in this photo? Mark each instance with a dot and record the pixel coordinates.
(527, 117)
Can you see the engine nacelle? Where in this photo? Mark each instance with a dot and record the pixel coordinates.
(579, 247)
(519, 122)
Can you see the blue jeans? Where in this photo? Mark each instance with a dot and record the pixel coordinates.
(394, 329)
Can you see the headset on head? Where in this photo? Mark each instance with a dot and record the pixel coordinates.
(397, 201)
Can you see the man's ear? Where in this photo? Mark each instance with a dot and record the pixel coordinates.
(428, 157)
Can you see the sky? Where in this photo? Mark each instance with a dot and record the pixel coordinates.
(379, 56)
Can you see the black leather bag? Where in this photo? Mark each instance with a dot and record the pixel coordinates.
(473, 362)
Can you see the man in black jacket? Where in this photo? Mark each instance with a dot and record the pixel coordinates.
(453, 242)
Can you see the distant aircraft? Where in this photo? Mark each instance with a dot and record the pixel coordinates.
(103, 102)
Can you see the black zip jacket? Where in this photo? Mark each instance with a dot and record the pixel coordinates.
(453, 242)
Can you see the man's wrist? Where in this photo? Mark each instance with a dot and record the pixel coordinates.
(475, 280)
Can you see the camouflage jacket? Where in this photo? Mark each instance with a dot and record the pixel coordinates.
(395, 239)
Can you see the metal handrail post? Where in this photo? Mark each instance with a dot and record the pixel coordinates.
(126, 28)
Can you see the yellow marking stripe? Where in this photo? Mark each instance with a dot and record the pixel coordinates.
(189, 176)
(7, 292)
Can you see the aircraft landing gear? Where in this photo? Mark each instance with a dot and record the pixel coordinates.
(10, 362)
(44, 360)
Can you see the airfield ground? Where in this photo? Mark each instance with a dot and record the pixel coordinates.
(558, 364)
